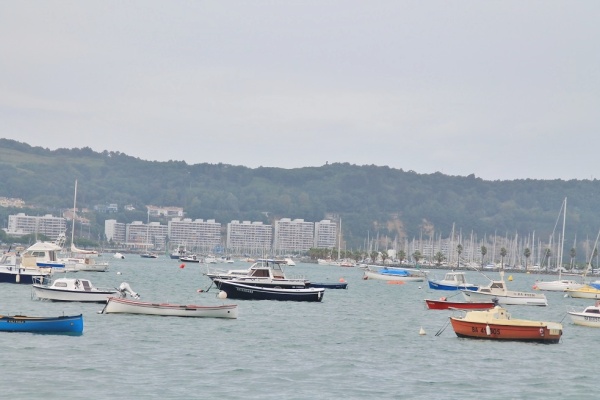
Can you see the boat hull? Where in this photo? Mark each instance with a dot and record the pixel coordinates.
(584, 293)
(236, 290)
(520, 298)
(123, 306)
(447, 305)
(392, 277)
(72, 325)
(72, 295)
(435, 285)
(19, 275)
(326, 285)
(583, 319)
(558, 286)
(491, 331)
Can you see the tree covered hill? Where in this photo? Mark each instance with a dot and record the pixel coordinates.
(372, 201)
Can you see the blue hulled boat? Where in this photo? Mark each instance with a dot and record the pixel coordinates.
(70, 325)
(452, 281)
(236, 290)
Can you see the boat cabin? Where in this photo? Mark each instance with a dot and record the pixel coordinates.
(267, 269)
(72, 284)
(456, 277)
(496, 286)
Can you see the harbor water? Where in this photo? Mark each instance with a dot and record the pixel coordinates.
(362, 342)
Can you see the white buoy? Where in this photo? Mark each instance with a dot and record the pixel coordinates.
(119, 273)
(488, 331)
(222, 295)
(422, 331)
(419, 287)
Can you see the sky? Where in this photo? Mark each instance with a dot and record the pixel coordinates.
(503, 90)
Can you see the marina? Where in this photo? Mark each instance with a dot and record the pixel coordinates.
(335, 347)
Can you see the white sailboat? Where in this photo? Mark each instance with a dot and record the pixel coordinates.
(80, 259)
(560, 285)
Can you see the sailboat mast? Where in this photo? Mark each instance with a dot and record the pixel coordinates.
(339, 239)
(562, 243)
(74, 205)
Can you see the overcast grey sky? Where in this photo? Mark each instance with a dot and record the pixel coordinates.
(500, 89)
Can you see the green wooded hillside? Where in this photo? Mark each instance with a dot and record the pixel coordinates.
(371, 200)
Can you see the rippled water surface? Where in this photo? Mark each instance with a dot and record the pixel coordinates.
(362, 342)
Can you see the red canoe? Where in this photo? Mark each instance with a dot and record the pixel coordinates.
(445, 305)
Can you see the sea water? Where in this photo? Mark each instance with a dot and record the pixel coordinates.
(363, 342)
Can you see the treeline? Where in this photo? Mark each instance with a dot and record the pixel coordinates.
(373, 201)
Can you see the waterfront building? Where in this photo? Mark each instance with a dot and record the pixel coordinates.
(325, 234)
(249, 237)
(114, 231)
(293, 236)
(48, 225)
(196, 235)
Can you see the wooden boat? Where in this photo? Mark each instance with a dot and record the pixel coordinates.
(116, 305)
(497, 324)
(72, 325)
(498, 290)
(81, 290)
(395, 274)
(237, 290)
(444, 304)
(590, 316)
(586, 292)
(452, 281)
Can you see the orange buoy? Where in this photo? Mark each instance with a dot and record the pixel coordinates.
(342, 280)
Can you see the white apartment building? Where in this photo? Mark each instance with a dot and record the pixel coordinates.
(148, 236)
(249, 237)
(196, 234)
(114, 231)
(325, 234)
(293, 235)
(21, 224)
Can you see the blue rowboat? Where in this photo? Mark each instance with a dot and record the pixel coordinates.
(71, 325)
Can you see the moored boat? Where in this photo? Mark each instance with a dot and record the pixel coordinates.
(395, 274)
(192, 258)
(497, 324)
(116, 305)
(586, 292)
(71, 325)
(452, 281)
(590, 316)
(444, 304)
(264, 273)
(237, 290)
(329, 285)
(498, 290)
(79, 290)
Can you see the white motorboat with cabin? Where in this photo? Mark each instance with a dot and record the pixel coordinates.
(75, 289)
(266, 273)
(590, 316)
(498, 290)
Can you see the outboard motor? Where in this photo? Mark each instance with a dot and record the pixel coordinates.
(125, 289)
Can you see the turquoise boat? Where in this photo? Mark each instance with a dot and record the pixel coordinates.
(70, 325)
